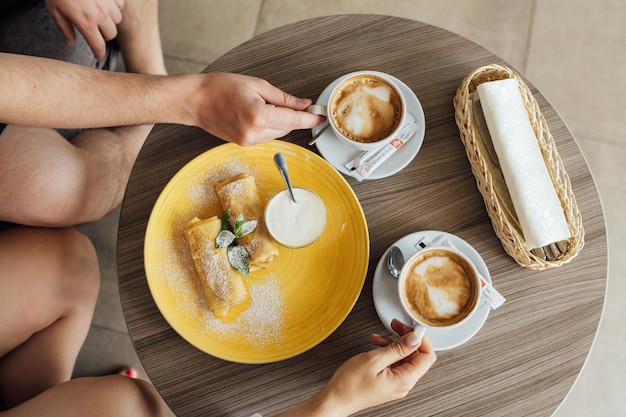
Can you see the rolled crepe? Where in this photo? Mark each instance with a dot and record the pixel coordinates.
(223, 285)
(238, 195)
(536, 203)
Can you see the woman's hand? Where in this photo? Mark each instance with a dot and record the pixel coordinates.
(382, 375)
(372, 378)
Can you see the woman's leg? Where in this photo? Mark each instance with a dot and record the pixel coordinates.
(49, 282)
(105, 396)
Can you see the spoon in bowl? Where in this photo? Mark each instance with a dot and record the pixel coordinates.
(281, 164)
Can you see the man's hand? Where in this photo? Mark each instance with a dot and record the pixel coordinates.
(96, 20)
(248, 110)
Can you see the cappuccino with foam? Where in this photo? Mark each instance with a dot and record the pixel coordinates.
(366, 108)
(439, 287)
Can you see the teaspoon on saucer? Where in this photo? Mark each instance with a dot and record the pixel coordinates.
(395, 260)
(318, 134)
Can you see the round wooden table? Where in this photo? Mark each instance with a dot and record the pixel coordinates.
(525, 358)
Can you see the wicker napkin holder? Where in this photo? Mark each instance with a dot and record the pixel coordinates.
(490, 181)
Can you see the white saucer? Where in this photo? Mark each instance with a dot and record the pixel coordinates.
(387, 301)
(337, 153)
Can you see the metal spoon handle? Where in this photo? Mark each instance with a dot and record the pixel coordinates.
(281, 164)
(316, 136)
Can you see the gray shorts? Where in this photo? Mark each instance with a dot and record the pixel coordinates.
(29, 29)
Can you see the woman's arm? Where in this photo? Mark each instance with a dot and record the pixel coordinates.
(372, 378)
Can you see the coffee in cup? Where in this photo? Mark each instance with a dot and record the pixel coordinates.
(439, 287)
(365, 109)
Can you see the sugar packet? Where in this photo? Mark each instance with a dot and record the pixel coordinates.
(366, 162)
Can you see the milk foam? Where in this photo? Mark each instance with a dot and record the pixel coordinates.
(358, 119)
(354, 122)
(443, 304)
(381, 92)
(366, 109)
(445, 301)
(439, 289)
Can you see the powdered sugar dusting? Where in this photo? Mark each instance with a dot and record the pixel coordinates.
(261, 324)
(201, 192)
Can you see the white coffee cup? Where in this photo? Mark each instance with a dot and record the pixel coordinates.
(365, 109)
(439, 287)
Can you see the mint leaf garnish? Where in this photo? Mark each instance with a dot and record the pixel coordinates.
(243, 227)
(239, 259)
(238, 223)
(247, 227)
(237, 255)
(224, 239)
(225, 221)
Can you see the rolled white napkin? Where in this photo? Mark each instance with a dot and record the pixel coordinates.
(534, 198)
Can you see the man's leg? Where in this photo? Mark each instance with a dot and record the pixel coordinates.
(49, 282)
(47, 181)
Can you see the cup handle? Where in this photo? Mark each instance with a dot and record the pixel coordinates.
(419, 330)
(318, 109)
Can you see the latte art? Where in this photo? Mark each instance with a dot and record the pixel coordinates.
(366, 108)
(440, 288)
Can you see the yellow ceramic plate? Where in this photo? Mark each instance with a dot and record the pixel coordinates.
(293, 305)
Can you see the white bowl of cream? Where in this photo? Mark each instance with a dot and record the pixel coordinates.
(295, 225)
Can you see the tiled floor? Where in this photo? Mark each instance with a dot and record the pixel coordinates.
(574, 52)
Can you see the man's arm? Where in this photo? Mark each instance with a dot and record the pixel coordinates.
(41, 92)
